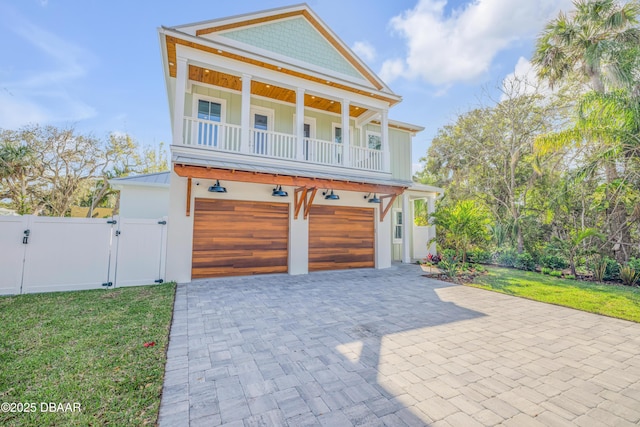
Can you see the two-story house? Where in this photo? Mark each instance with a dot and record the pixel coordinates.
(284, 158)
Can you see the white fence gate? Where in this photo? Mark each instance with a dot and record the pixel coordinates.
(45, 254)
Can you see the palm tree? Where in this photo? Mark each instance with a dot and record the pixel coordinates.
(582, 43)
(594, 43)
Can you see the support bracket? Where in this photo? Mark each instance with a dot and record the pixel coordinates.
(384, 210)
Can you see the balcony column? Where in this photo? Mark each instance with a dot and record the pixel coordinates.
(178, 107)
(245, 115)
(384, 131)
(346, 140)
(299, 124)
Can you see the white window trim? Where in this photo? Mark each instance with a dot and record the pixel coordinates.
(373, 133)
(269, 112)
(394, 224)
(223, 106)
(311, 121)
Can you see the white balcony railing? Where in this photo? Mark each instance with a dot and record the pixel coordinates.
(226, 137)
(213, 135)
(366, 158)
(272, 144)
(323, 152)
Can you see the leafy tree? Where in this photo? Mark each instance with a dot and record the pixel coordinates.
(463, 225)
(44, 170)
(598, 44)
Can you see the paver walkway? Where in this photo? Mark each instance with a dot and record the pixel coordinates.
(390, 347)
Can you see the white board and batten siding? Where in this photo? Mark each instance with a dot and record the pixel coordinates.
(45, 254)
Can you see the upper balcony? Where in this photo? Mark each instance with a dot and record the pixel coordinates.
(228, 138)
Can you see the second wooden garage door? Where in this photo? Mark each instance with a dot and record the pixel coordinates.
(341, 237)
(237, 238)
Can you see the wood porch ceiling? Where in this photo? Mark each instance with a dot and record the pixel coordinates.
(172, 41)
(229, 81)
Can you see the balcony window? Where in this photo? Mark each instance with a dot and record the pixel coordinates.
(208, 133)
(374, 140)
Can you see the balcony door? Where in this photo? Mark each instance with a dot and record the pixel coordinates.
(261, 124)
(210, 115)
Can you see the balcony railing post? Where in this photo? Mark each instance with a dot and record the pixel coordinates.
(346, 140)
(178, 112)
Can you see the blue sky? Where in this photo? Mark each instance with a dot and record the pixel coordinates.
(96, 65)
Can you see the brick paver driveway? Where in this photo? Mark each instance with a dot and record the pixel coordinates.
(391, 347)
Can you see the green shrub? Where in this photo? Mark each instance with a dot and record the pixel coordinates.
(479, 268)
(555, 273)
(506, 257)
(553, 262)
(599, 268)
(545, 270)
(570, 276)
(612, 271)
(479, 256)
(634, 263)
(448, 255)
(524, 261)
(449, 267)
(629, 275)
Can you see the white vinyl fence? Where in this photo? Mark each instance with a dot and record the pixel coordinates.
(44, 254)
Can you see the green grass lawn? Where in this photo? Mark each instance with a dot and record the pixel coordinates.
(85, 347)
(608, 299)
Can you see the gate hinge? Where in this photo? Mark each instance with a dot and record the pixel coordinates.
(113, 221)
(162, 222)
(107, 284)
(159, 281)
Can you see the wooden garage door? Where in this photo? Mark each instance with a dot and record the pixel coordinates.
(237, 238)
(341, 237)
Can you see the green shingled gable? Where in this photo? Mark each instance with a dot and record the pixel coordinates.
(297, 39)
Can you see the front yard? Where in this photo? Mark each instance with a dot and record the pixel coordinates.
(608, 299)
(85, 350)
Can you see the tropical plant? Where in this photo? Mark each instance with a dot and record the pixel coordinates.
(599, 268)
(464, 225)
(574, 245)
(629, 275)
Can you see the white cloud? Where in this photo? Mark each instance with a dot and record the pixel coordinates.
(523, 81)
(44, 96)
(364, 50)
(460, 46)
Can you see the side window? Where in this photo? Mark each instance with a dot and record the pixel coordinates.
(397, 226)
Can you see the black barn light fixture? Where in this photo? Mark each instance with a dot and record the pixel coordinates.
(330, 196)
(217, 188)
(373, 199)
(279, 192)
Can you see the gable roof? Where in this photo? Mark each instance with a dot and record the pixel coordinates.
(310, 45)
